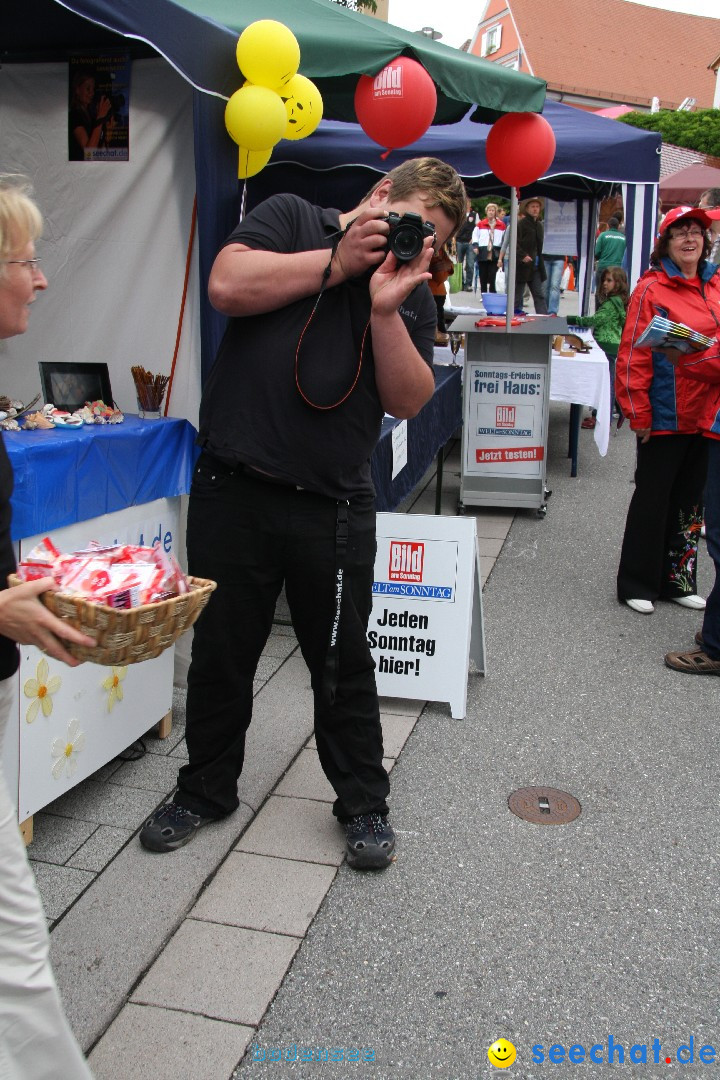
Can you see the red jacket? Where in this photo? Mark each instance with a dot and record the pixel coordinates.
(651, 392)
(705, 368)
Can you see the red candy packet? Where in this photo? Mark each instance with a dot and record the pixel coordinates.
(121, 576)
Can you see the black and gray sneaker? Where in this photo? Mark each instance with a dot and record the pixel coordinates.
(370, 842)
(170, 827)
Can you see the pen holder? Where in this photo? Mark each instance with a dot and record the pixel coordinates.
(150, 391)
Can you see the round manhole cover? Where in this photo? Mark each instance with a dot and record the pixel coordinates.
(544, 805)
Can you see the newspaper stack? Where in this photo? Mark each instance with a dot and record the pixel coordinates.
(663, 333)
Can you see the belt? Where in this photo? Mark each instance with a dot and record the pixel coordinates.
(266, 478)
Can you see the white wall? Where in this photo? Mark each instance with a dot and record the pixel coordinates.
(116, 235)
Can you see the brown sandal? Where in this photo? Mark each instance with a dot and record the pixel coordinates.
(695, 662)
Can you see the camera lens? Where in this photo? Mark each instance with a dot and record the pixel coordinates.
(406, 243)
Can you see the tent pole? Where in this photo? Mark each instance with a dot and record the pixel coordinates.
(512, 248)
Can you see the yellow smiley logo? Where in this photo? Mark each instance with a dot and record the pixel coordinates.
(501, 1054)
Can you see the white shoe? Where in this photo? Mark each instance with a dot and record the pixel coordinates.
(693, 601)
(645, 607)
(702, 530)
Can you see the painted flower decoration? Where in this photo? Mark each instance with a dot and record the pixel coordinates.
(113, 684)
(41, 689)
(66, 750)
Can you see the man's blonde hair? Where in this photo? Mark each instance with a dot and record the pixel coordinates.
(436, 182)
(20, 219)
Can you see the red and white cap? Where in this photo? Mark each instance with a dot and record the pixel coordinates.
(692, 213)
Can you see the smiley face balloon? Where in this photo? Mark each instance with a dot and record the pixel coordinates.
(304, 107)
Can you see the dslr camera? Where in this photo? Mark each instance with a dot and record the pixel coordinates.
(407, 234)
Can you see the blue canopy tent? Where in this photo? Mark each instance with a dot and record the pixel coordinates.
(339, 163)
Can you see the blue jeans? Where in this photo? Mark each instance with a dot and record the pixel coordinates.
(466, 256)
(554, 265)
(711, 622)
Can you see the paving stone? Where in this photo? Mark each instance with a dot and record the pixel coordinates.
(59, 886)
(491, 525)
(149, 1043)
(150, 773)
(101, 847)
(396, 729)
(486, 567)
(180, 751)
(106, 771)
(107, 804)
(267, 666)
(305, 779)
(263, 893)
(295, 829)
(280, 645)
(224, 972)
(164, 747)
(489, 548)
(282, 722)
(404, 706)
(55, 838)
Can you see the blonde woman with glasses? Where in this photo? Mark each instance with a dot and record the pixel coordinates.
(36, 1042)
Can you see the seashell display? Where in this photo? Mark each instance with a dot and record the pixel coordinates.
(38, 421)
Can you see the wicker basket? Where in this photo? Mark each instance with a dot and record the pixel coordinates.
(127, 636)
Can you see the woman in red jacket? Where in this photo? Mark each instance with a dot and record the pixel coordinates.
(659, 551)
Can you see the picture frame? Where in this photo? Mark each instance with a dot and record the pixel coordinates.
(68, 386)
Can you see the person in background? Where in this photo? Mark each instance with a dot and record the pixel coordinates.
(529, 267)
(705, 367)
(487, 239)
(327, 331)
(36, 1042)
(609, 248)
(607, 323)
(709, 200)
(659, 549)
(441, 267)
(463, 246)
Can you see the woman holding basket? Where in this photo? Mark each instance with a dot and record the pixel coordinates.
(36, 1042)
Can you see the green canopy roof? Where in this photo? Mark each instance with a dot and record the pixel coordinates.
(337, 45)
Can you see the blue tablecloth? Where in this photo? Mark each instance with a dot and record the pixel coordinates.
(427, 434)
(68, 475)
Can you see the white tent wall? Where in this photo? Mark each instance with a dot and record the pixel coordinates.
(116, 235)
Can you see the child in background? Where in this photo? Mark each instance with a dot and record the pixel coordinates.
(607, 325)
(441, 267)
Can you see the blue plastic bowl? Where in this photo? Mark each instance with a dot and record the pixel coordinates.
(494, 303)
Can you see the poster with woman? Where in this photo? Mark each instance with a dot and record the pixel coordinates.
(99, 108)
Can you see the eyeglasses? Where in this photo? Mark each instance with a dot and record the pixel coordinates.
(683, 234)
(34, 264)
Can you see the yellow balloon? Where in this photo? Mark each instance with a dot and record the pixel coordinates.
(304, 107)
(268, 53)
(255, 117)
(251, 162)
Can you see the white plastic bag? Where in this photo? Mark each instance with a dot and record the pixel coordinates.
(500, 284)
(565, 279)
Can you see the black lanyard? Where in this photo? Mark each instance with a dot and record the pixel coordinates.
(332, 659)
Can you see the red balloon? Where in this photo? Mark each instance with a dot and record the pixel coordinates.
(397, 106)
(520, 148)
